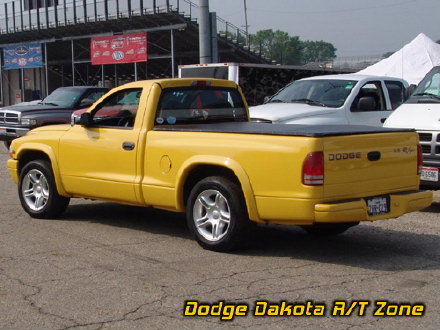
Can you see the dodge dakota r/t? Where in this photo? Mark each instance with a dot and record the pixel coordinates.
(186, 145)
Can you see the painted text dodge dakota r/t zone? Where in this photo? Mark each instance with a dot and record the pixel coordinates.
(186, 145)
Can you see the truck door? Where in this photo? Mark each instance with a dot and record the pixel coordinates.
(100, 159)
(369, 106)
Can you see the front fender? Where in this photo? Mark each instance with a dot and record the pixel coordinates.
(50, 153)
(225, 162)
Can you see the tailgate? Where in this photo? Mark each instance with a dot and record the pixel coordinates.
(370, 164)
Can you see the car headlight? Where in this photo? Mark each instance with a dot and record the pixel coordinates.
(29, 122)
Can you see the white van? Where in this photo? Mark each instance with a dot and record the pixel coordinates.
(422, 112)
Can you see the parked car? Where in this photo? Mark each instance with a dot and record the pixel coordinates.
(334, 99)
(422, 113)
(56, 108)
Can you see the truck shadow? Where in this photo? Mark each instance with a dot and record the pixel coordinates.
(433, 208)
(139, 218)
(367, 246)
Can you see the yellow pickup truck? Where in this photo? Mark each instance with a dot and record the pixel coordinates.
(187, 145)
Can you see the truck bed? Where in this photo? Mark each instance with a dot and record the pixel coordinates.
(280, 129)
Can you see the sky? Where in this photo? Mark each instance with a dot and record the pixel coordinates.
(356, 28)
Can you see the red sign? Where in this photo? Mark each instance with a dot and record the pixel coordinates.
(124, 48)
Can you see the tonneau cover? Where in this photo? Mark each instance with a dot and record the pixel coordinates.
(280, 129)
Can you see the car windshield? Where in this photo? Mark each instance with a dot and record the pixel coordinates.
(430, 85)
(317, 92)
(63, 97)
(193, 105)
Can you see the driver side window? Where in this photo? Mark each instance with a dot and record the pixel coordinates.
(370, 98)
(119, 109)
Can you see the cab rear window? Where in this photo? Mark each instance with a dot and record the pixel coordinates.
(192, 105)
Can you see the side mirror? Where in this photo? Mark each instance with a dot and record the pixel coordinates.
(85, 119)
(365, 103)
(410, 90)
(266, 99)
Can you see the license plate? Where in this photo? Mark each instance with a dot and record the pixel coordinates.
(429, 174)
(378, 205)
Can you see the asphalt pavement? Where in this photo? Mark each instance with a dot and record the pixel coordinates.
(109, 266)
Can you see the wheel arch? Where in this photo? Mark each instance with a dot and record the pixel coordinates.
(41, 152)
(199, 167)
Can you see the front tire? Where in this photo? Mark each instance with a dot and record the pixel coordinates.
(216, 214)
(38, 193)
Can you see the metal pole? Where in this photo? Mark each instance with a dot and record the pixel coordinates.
(30, 19)
(38, 18)
(65, 12)
(102, 75)
(73, 65)
(46, 4)
(13, 16)
(246, 23)
(135, 72)
(22, 85)
(204, 35)
(172, 53)
(106, 9)
(55, 12)
(85, 10)
(21, 14)
(95, 7)
(214, 40)
(45, 70)
(74, 11)
(6, 17)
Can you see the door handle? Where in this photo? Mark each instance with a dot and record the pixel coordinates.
(128, 145)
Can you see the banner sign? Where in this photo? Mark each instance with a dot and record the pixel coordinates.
(23, 56)
(124, 48)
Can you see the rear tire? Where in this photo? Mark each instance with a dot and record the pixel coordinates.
(216, 214)
(38, 192)
(331, 229)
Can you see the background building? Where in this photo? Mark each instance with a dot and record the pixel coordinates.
(64, 28)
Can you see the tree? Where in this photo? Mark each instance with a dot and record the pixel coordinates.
(318, 51)
(279, 46)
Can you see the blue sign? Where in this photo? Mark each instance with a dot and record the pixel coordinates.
(23, 56)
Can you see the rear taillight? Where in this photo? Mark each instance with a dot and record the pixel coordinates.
(313, 169)
(419, 159)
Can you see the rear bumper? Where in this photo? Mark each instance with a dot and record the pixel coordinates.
(306, 211)
(357, 210)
